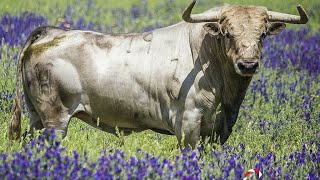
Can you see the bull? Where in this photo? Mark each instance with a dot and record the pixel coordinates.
(187, 79)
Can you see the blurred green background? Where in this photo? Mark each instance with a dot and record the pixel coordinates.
(101, 11)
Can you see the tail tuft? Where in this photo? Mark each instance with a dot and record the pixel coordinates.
(15, 123)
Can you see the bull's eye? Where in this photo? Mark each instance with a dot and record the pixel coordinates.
(229, 36)
(263, 35)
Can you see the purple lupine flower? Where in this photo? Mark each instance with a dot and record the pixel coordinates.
(307, 117)
(312, 175)
(262, 123)
(135, 12)
(15, 29)
(239, 170)
(148, 28)
(242, 147)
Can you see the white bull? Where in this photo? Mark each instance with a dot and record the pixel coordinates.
(170, 80)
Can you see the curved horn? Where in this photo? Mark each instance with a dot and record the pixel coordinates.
(197, 18)
(288, 18)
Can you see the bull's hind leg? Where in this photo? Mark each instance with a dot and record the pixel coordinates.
(47, 100)
(34, 118)
(54, 115)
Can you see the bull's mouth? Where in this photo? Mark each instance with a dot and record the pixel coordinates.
(247, 68)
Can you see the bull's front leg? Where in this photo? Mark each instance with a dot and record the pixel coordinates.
(187, 127)
(224, 123)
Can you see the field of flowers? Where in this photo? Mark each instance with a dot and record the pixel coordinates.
(277, 131)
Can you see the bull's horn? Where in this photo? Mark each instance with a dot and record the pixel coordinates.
(288, 18)
(197, 18)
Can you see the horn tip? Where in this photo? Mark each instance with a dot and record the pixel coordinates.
(193, 2)
(304, 17)
(299, 7)
(186, 13)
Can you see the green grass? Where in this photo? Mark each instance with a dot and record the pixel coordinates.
(289, 137)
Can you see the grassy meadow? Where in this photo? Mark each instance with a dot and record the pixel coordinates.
(278, 127)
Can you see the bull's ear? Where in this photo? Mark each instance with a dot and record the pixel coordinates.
(276, 27)
(212, 28)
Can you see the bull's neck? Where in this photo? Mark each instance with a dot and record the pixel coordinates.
(219, 70)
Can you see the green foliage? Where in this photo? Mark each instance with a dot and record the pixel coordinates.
(277, 124)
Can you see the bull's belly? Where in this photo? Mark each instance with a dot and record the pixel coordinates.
(125, 123)
(129, 107)
(115, 115)
(113, 123)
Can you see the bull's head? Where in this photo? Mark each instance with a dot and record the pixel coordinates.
(244, 29)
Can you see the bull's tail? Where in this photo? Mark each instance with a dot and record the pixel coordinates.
(15, 122)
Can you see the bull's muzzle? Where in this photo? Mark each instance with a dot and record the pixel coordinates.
(248, 67)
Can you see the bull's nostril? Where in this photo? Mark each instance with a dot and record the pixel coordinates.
(255, 65)
(248, 67)
(241, 66)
